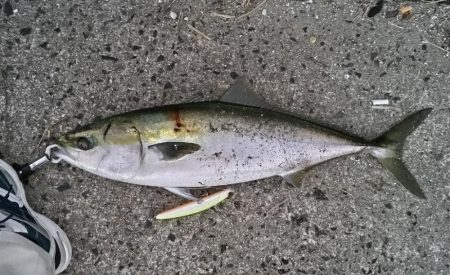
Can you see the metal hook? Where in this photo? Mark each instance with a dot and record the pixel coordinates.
(50, 153)
(25, 170)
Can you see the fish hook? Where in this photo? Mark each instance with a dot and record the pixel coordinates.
(25, 170)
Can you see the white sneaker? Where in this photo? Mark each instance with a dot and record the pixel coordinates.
(17, 216)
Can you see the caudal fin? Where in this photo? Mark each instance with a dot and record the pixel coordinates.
(390, 146)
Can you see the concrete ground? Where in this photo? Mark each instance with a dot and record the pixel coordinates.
(73, 61)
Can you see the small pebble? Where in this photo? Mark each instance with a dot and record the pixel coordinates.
(173, 15)
(312, 39)
(264, 12)
(186, 18)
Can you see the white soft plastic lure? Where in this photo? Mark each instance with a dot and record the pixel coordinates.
(194, 207)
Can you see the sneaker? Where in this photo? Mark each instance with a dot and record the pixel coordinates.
(17, 216)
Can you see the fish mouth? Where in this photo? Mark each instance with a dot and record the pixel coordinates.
(67, 142)
(65, 153)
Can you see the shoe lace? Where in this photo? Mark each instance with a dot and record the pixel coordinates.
(10, 188)
(5, 198)
(6, 219)
(21, 215)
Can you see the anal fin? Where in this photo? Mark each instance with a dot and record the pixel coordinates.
(295, 178)
(182, 192)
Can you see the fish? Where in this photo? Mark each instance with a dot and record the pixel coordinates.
(237, 138)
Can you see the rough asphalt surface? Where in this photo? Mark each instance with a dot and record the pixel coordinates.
(73, 61)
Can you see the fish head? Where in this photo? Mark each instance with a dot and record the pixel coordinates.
(82, 139)
(82, 146)
(109, 148)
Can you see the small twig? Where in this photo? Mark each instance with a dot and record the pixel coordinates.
(432, 44)
(199, 32)
(277, 205)
(48, 131)
(226, 16)
(179, 19)
(435, 2)
(343, 191)
(390, 23)
(178, 25)
(445, 16)
(248, 13)
(247, 3)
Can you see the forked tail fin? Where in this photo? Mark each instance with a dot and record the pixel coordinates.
(390, 146)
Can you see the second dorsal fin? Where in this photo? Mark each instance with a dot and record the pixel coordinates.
(241, 93)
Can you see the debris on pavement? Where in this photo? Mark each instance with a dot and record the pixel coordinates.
(173, 15)
(405, 11)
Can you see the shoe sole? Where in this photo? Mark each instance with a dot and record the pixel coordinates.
(58, 235)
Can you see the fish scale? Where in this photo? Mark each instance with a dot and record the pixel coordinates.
(244, 144)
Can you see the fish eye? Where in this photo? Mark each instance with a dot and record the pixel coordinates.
(84, 143)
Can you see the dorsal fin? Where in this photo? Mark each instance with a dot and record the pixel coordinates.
(241, 93)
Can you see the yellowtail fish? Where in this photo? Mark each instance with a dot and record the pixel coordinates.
(238, 138)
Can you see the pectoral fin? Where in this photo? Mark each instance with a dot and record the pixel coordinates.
(174, 150)
(193, 207)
